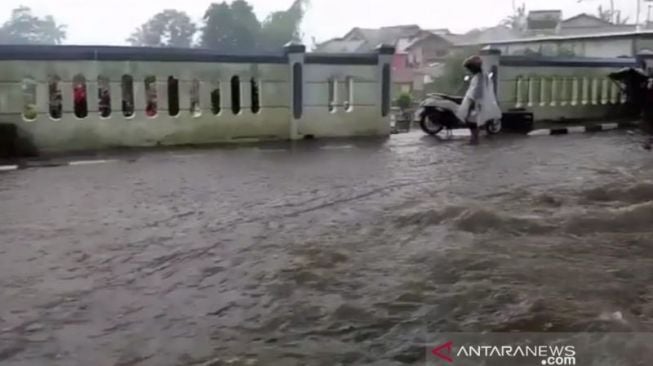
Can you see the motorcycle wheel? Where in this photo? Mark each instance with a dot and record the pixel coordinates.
(429, 123)
(493, 127)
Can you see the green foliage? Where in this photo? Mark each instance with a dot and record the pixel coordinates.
(282, 27)
(30, 112)
(230, 28)
(452, 78)
(235, 28)
(169, 28)
(404, 101)
(25, 28)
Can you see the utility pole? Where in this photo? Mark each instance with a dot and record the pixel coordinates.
(648, 18)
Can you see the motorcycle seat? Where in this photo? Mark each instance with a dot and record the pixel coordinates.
(454, 98)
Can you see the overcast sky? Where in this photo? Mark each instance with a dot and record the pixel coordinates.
(111, 21)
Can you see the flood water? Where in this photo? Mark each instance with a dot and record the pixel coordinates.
(334, 253)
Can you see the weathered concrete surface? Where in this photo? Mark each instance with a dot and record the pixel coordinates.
(273, 121)
(337, 255)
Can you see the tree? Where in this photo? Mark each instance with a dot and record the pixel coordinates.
(604, 14)
(169, 28)
(451, 79)
(611, 16)
(282, 27)
(235, 28)
(516, 19)
(25, 28)
(231, 28)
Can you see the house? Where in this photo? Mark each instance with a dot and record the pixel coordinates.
(420, 53)
(340, 45)
(428, 49)
(365, 40)
(585, 35)
(590, 24)
(543, 22)
(606, 45)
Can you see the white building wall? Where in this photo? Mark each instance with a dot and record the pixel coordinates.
(607, 48)
(579, 47)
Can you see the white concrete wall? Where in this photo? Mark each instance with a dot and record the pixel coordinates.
(607, 47)
(560, 93)
(274, 121)
(363, 117)
(94, 132)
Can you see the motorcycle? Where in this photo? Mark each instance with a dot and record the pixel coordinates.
(438, 111)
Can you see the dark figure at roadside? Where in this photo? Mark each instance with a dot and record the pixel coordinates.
(127, 108)
(79, 96)
(647, 99)
(150, 108)
(105, 102)
(56, 105)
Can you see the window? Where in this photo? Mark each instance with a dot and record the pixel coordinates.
(256, 101)
(173, 96)
(55, 97)
(332, 95)
(80, 100)
(127, 86)
(150, 96)
(349, 101)
(235, 95)
(29, 99)
(104, 96)
(216, 107)
(195, 109)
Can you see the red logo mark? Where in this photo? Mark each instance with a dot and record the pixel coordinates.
(438, 351)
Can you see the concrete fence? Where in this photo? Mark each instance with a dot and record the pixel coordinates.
(66, 98)
(559, 89)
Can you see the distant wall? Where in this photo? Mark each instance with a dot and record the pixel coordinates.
(343, 98)
(200, 96)
(561, 88)
(610, 46)
(572, 47)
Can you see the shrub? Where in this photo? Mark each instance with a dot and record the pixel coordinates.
(404, 101)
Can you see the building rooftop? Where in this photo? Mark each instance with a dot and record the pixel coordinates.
(566, 37)
(543, 19)
(339, 45)
(542, 24)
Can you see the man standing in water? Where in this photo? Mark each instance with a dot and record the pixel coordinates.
(479, 104)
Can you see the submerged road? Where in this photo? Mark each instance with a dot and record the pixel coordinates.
(335, 253)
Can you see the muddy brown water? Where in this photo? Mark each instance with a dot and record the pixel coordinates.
(345, 255)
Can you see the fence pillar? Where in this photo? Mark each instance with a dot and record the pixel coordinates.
(384, 73)
(491, 58)
(296, 54)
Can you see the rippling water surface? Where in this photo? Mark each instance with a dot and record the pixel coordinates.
(310, 256)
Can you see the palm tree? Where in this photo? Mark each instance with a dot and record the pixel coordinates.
(51, 32)
(515, 20)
